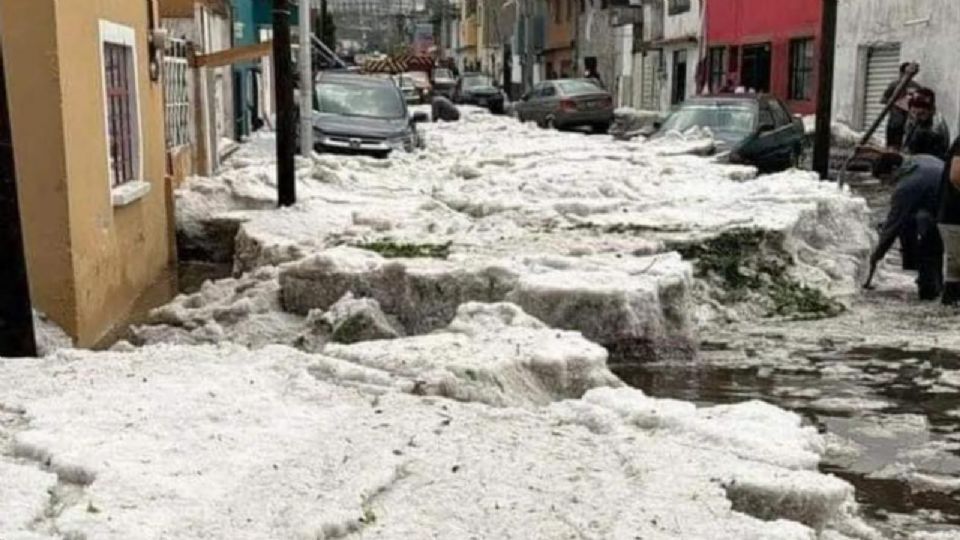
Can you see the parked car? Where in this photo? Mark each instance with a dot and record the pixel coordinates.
(752, 129)
(407, 88)
(567, 103)
(478, 89)
(363, 115)
(443, 82)
(421, 80)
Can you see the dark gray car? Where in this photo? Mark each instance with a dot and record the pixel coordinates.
(443, 82)
(753, 129)
(567, 103)
(363, 115)
(479, 89)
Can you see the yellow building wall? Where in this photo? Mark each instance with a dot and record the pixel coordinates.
(560, 35)
(29, 42)
(469, 30)
(116, 254)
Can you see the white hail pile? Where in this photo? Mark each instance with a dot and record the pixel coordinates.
(552, 221)
(213, 442)
(484, 407)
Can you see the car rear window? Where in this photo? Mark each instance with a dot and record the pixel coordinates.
(477, 81)
(578, 87)
(731, 117)
(374, 101)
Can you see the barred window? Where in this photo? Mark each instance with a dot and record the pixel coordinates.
(121, 107)
(121, 103)
(176, 94)
(801, 69)
(717, 66)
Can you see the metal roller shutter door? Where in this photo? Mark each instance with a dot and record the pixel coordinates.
(883, 67)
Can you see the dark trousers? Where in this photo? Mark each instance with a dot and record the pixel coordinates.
(910, 244)
(929, 257)
(896, 124)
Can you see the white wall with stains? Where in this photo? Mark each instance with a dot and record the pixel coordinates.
(928, 32)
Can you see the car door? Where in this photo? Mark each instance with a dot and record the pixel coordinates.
(527, 106)
(549, 98)
(767, 150)
(796, 135)
(788, 137)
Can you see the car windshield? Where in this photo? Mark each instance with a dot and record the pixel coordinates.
(578, 87)
(442, 73)
(477, 81)
(374, 101)
(726, 119)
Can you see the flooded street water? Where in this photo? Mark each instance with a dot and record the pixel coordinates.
(892, 424)
(881, 382)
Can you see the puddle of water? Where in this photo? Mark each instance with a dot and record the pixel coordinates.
(893, 427)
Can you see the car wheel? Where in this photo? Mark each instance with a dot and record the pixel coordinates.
(601, 129)
(381, 155)
(550, 123)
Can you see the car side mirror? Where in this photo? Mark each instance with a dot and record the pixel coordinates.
(767, 127)
(419, 118)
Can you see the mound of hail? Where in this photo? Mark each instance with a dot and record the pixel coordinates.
(185, 442)
(490, 189)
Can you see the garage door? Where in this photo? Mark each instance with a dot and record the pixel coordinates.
(883, 67)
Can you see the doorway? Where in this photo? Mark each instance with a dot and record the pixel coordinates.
(755, 74)
(678, 91)
(16, 314)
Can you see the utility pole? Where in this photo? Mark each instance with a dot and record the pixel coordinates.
(828, 41)
(16, 314)
(306, 81)
(283, 85)
(443, 28)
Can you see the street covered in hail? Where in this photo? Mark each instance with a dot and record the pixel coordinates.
(453, 342)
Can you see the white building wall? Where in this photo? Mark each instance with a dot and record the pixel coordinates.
(928, 32)
(627, 77)
(680, 31)
(666, 92)
(596, 38)
(683, 24)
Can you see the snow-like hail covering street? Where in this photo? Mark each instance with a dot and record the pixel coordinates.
(420, 348)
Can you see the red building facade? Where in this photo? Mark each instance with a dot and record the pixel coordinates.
(765, 45)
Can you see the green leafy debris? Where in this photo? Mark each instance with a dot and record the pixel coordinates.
(393, 250)
(751, 261)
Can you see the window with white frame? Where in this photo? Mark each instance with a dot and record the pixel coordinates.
(121, 103)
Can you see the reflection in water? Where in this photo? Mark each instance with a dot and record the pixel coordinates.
(892, 424)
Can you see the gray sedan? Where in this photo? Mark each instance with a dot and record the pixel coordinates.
(567, 103)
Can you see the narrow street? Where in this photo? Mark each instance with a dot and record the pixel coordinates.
(493, 224)
(479, 270)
